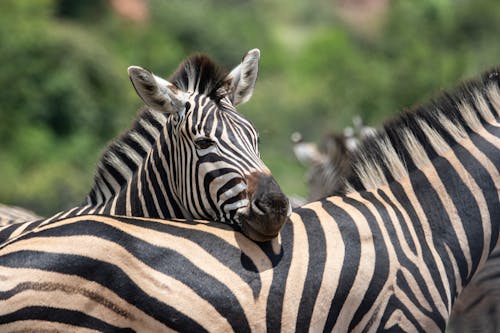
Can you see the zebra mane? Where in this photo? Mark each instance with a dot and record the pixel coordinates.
(123, 156)
(409, 141)
(200, 74)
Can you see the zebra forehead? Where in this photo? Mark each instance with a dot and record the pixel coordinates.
(213, 116)
(199, 74)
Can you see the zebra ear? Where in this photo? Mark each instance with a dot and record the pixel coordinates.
(157, 93)
(240, 81)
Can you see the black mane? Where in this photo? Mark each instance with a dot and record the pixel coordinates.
(199, 73)
(372, 154)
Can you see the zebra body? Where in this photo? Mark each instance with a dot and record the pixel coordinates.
(478, 306)
(190, 154)
(392, 257)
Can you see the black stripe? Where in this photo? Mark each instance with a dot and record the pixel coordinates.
(281, 264)
(108, 186)
(393, 305)
(491, 152)
(350, 236)
(148, 192)
(231, 256)
(209, 118)
(110, 168)
(64, 316)
(92, 197)
(126, 159)
(172, 263)
(464, 201)
(381, 272)
(199, 193)
(443, 234)
(105, 274)
(165, 180)
(145, 134)
(227, 186)
(154, 182)
(132, 144)
(426, 256)
(316, 267)
(400, 252)
(6, 232)
(404, 286)
(209, 178)
(148, 116)
(135, 203)
(401, 222)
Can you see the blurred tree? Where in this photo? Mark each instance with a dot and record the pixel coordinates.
(63, 86)
(89, 10)
(65, 91)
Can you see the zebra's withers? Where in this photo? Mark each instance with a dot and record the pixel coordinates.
(190, 154)
(390, 258)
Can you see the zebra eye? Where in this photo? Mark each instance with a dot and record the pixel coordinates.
(203, 143)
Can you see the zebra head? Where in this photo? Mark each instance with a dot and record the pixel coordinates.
(212, 159)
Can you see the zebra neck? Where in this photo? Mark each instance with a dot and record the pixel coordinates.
(440, 163)
(151, 194)
(135, 175)
(452, 197)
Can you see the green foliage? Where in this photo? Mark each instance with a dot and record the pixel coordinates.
(65, 91)
(59, 86)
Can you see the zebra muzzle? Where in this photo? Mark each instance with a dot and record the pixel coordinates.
(268, 211)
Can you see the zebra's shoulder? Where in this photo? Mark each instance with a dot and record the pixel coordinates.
(416, 135)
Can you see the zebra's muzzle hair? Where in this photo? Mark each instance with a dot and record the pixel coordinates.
(268, 211)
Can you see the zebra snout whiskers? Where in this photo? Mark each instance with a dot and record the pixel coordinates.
(268, 208)
(272, 203)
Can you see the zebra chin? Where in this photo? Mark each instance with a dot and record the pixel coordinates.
(268, 211)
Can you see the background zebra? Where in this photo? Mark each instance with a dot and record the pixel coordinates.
(330, 163)
(390, 258)
(13, 214)
(190, 154)
(478, 308)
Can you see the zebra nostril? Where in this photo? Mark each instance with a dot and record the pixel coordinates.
(271, 203)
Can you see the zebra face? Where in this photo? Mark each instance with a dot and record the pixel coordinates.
(238, 186)
(214, 167)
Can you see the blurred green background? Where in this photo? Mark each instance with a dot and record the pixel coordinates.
(65, 92)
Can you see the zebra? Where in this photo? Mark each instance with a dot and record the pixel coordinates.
(329, 166)
(478, 307)
(391, 257)
(190, 154)
(13, 214)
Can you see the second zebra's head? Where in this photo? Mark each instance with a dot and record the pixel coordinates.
(210, 151)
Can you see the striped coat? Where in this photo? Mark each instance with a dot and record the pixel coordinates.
(392, 257)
